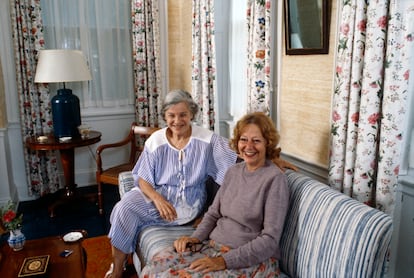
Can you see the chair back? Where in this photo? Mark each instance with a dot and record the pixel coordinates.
(138, 135)
(110, 175)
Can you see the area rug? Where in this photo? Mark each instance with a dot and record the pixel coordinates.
(98, 250)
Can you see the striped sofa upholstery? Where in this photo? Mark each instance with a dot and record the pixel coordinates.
(326, 234)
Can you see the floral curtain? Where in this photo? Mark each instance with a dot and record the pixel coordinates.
(369, 101)
(146, 53)
(204, 84)
(259, 87)
(34, 99)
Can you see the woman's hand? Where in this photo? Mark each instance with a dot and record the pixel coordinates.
(166, 210)
(181, 244)
(208, 264)
(283, 164)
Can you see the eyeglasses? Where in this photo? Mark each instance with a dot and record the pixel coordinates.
(195, 247)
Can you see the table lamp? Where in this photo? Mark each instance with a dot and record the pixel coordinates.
(63, 65)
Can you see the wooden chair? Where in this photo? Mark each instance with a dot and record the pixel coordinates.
(110, 175)
(2, 230)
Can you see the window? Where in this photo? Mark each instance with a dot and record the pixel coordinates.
(408, 144)
(101, 30)
(407, 159)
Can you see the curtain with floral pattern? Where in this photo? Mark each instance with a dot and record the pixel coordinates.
(369, 101)
(34, 99)
(204, 85)
(259, 87)
(147, 67)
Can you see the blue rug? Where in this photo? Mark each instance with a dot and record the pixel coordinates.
(80, 215)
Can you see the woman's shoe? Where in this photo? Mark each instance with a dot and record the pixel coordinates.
(108, 274)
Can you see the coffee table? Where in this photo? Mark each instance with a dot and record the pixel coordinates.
(72, 266)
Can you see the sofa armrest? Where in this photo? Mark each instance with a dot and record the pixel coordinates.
(126, 182)
(328, 234)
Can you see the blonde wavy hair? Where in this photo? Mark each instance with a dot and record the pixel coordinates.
(267, 128)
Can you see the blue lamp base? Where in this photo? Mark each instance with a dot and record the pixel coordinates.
(66, 114)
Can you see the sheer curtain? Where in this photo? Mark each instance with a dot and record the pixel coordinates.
(238, 50)
(407, 162)
(101, 30)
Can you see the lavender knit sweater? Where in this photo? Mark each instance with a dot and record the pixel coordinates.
(248, 214)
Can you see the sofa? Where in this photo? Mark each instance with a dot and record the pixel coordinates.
(326, 234)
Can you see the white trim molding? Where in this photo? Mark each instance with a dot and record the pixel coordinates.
(314, 171)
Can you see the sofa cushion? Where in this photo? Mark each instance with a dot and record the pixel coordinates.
(328, 234)
(156, 238)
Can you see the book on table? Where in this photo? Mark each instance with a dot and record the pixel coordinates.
(33, 266)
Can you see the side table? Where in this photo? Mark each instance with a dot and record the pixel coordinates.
(67, 157)
(73, 266)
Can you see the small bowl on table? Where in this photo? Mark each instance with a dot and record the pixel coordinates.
(84, 131)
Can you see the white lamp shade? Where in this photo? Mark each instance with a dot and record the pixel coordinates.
(61, 65)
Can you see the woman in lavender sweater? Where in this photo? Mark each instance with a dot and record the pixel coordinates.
(239, 235)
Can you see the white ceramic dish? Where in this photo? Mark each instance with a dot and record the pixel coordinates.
(42, 139)
(65, 139)
(72, 237)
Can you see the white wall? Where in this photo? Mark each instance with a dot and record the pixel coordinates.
(6, 192)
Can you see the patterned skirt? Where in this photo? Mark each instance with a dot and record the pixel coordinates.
(169, 263)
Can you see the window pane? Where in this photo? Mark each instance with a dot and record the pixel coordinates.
(101, 30)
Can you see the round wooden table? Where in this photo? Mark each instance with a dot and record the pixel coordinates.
(67, 154)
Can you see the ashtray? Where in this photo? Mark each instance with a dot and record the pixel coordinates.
(72, 237)
(84, 131)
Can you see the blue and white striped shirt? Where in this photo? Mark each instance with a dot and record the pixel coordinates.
(180, 175)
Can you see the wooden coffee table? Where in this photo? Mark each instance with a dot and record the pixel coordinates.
(72, 266)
